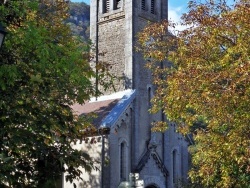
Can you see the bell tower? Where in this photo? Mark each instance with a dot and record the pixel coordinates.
(111, 33)
(113, 28)
(159, 158)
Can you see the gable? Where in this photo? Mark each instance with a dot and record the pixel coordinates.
(152, 174)
(107, 110)
(151, 156)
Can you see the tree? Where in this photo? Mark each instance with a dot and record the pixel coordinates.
(207, 81)
(79, 19)
(43, 71)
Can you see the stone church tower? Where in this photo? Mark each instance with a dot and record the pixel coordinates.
(161, 159)
(113, 29)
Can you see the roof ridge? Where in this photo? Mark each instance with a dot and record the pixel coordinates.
(116, 95)
(117, 111)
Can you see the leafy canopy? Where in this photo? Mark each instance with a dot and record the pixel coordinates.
(43, 71)
(207, 81)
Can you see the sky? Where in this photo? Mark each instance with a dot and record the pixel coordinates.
(175, 8)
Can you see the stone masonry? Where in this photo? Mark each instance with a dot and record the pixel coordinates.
(161, 159)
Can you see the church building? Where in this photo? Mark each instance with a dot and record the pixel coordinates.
(124, 142)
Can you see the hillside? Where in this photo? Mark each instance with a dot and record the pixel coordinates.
(79, 19)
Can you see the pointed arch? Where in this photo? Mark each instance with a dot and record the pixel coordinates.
(176, 165)
(150, 94)
(123, 159)
(154, 182)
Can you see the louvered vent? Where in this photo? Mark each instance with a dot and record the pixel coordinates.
(118, 4)
(152, 10)
(143, 5)
(106, 6)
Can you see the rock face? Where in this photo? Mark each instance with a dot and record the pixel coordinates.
(79, 20)
(160, 159)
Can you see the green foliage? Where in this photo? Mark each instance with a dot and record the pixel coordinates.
(206, 87)
(79, 19)
(42, 73)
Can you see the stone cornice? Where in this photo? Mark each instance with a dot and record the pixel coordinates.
(111, 17)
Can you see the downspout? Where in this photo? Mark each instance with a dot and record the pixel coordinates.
(102, 176)
(133, 119)
(162, 113)
(102, 132)
(97, 49)
(96, 87)
(133, 51)
(131, 139)
(163, 134)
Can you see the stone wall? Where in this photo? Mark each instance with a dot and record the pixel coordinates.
(120, 133)
(117, 31)
(114, 42)
(92, 179)
(111, 47)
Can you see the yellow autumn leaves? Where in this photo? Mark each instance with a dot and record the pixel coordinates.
(207, 83)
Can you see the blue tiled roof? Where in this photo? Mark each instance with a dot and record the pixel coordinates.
(117, 111)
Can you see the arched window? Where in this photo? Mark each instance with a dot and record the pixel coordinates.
(174, 166)
(123, 161)
(150, 96)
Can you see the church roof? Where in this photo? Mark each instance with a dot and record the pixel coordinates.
(107, 109)
(118, 110)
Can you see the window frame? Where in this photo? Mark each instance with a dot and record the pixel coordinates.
(123, 160)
